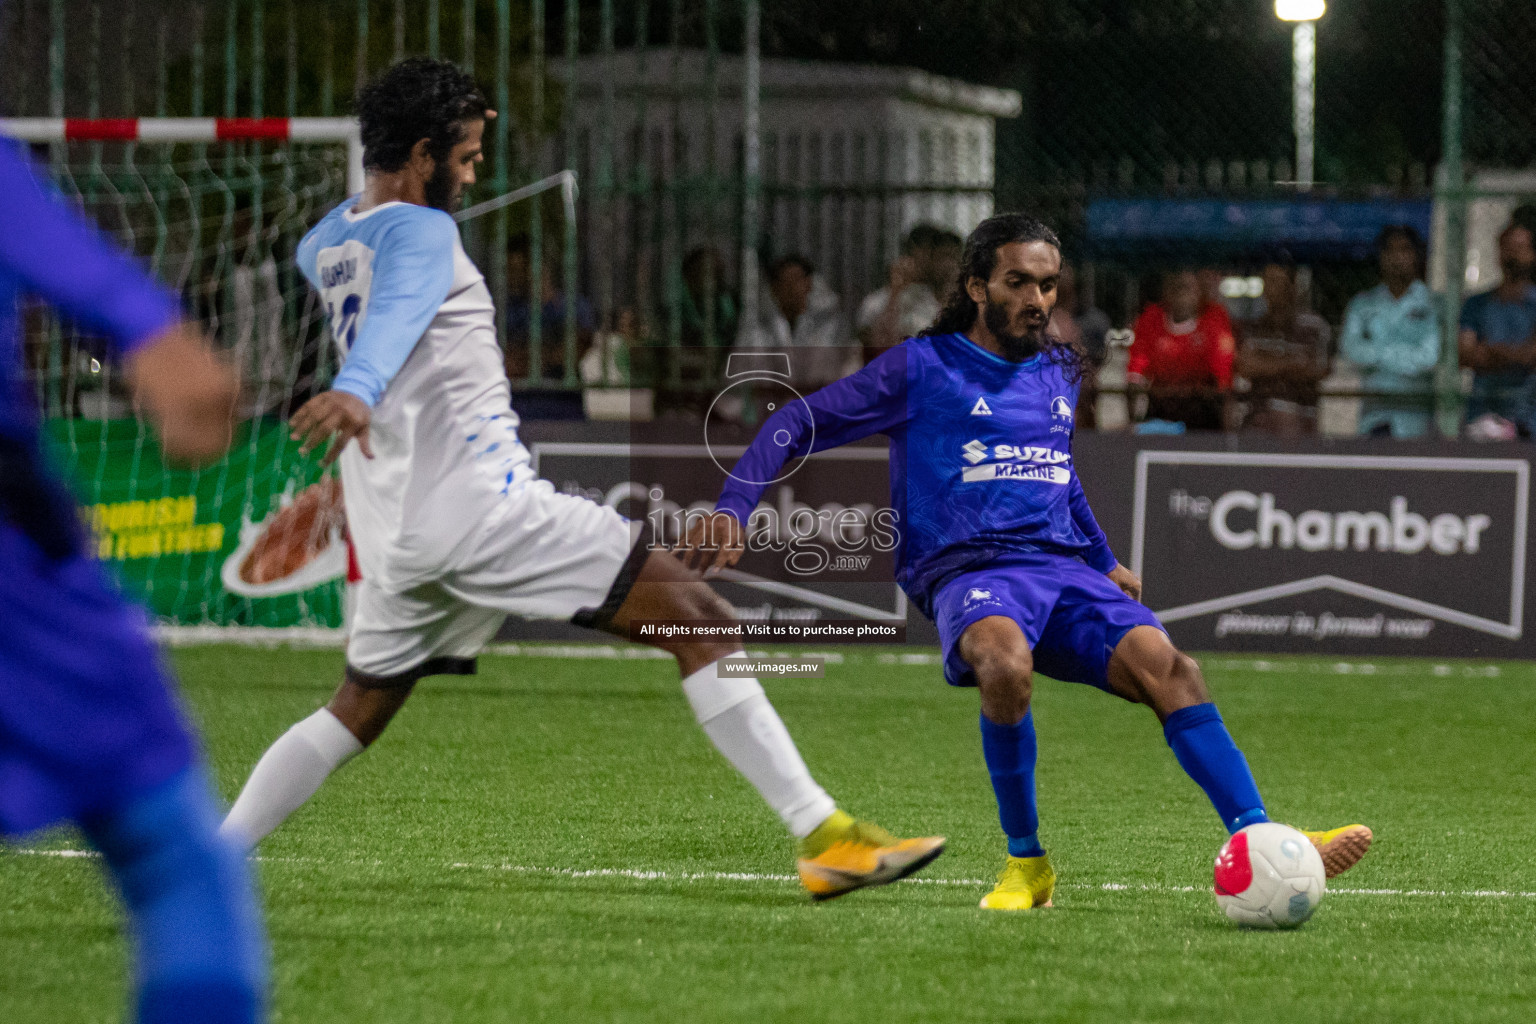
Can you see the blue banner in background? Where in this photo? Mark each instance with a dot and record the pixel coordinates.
(1306, 228)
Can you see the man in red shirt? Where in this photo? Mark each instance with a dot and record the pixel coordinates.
(1181, 356)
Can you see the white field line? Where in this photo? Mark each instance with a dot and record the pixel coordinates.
(652, 875)
(1304, 666)
(1293, 666)
(304, 637)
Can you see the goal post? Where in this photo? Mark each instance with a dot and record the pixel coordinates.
(215, 207)
(345, 130)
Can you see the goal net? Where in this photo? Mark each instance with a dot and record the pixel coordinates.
(257, 538)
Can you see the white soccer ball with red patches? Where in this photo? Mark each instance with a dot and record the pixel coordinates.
(1269, 876)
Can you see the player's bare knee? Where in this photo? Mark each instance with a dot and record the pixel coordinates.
(1186, 681)
(698, 603)
(1005, 677)
(1172, 683)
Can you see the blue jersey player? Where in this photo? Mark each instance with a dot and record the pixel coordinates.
(998, 545)
(89, 729)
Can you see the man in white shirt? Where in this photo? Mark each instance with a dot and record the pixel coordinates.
(804, 317)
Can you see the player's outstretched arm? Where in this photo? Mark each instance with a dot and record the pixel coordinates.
(412, 275)
(187, 391)
(871, 401)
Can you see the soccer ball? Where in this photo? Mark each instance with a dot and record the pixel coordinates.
(1269, 876)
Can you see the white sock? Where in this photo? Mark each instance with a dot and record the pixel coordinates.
(288, 774)
(743, 726)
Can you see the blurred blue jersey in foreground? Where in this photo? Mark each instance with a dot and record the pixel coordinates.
(89, 729)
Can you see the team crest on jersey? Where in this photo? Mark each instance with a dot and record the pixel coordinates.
(976, 595)
(1061, 407)
(981, 408)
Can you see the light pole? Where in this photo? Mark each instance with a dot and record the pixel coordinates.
(1304, 67)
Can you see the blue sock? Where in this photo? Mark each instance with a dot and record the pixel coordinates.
(199, 950)
(1010, 752)
(1205, 750)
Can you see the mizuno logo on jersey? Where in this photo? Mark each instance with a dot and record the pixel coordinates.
(981, 408)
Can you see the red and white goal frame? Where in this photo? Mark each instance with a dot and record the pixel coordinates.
(342, 130)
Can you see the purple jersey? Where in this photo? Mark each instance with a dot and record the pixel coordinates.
(981, 457)
(86, 718)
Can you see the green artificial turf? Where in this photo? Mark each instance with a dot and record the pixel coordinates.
(455, 872)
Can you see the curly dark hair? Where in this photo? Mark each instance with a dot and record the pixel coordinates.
(419, 98)
(978, 260)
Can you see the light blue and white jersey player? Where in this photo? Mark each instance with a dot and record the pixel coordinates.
(414, 325)
(453, 528)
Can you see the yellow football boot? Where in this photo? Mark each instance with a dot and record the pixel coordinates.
(1024, 883)
(1341, 848)
(843, 855)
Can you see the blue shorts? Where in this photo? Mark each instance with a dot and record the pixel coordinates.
(87, 717)
(1072, 616)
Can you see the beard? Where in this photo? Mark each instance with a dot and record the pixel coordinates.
(1515, 270)
(442, 190)
(1016, 347)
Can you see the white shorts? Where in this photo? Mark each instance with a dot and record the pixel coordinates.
(554, 556)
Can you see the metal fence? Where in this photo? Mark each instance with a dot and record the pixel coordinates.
(705, 139)
(697, 161)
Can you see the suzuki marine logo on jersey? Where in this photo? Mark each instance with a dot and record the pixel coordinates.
(1014, 462)
(981, 408)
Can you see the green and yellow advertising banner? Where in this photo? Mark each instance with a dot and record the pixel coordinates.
(235, 543)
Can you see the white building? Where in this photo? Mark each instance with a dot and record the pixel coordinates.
(852, 156)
